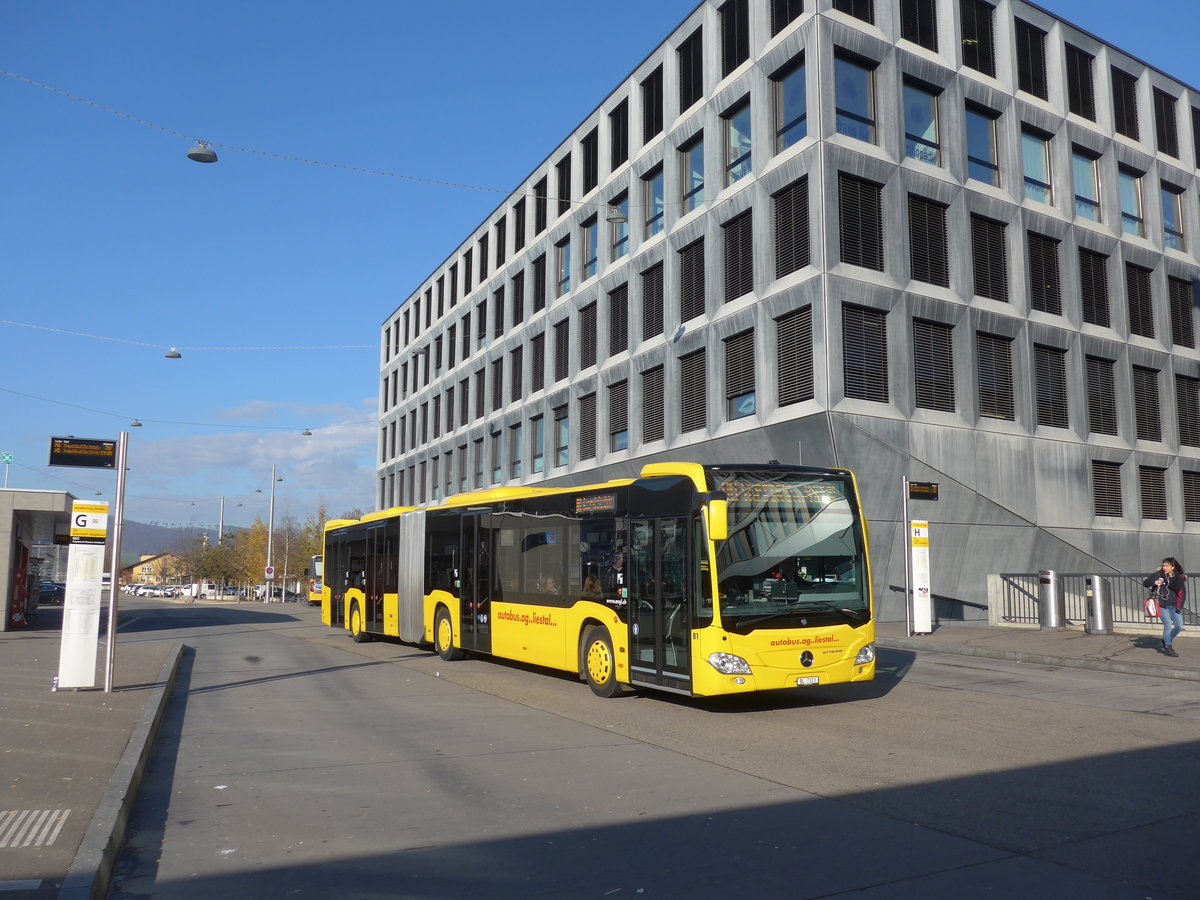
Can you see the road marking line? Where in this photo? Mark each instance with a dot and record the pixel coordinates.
(31, 827)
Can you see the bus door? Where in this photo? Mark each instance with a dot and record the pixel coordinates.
(659, 626)
(478, 572)
(381, 558)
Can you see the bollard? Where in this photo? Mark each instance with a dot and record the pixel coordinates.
(1099, 611)
(1052, 605)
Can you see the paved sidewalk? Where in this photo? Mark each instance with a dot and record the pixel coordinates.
(72, 760)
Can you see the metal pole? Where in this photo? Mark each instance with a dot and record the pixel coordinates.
(271, 534)
(221, 523)
(905, 543)
(110, 654)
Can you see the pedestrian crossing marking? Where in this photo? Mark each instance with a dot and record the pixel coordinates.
(31, 827)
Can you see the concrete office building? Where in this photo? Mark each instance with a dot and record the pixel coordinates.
(953, 240)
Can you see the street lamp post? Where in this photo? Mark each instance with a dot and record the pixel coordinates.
(271, 536)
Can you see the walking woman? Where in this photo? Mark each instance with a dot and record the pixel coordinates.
(1168, 584)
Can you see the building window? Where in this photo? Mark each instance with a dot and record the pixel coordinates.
(1050, 386)
(501, 240)
(518, 298)
(860, 9)
(653, 410)
(982, 161)
(860, 226)
(929, 256)
(1087, 187)
(480, 393)
(1187, 404)
(653, 201)
(933, 365)
(562, 436)
(619, 231)
(479, 464)
(691, 281)
(693, 388)
(516, 373)
(518, 225)
(652, 105)
(618, 135)
(589, 146)
(591, 246)
(1125, 113)
(483, 258)
(739, 376)
(539, 283)
(540, 204)
(562, 350)
(738, 160)
(652, 302)
(1106, 488)
(783, 13)
(562, 267)
(1031, 59)
(618, 416)
(1093, 287)
(995, 376)
(1101, 395)
(464, 401)
(1181, 296)
(618, 320)
(1081, 97)
(537, 443)
(498, 313)
(794, 355)
(864, 353)
(1045, 292)
(989, 258)
(497, 461)
(563, 170)
(1146, 408)
(1191, 496)
(1172, 212)
(921, 124)
(1165, 129)
(1035, 159)
(690, 56)
(792, 251)
(1130, 188)
(587, 426)
(1153, 484)
(918, 22)
(468, 273)
(693, 174)
(854, 82)
(739, 255)
(587, 336)
(514, 451)
(537, 352)
(978, 49)
(1139, 300)
(791, 104)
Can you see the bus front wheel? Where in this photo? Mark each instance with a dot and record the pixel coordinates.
(443, 637)
(599, 663)
(356, 626)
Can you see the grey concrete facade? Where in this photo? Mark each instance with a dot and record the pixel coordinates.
(1017, 494)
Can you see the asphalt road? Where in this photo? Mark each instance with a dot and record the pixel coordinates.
(295, 763)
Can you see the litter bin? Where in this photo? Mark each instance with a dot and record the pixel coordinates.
(1099, 606)
(1052, 605)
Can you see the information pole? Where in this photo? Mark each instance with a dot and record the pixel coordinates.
(82, 600)
(114, 584)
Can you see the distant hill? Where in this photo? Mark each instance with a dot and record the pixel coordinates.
(139, 539)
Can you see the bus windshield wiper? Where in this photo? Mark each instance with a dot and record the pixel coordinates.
(855, 615)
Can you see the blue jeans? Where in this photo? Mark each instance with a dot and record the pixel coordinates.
(1172, 623)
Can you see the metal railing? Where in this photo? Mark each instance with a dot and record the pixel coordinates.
(1019, 599)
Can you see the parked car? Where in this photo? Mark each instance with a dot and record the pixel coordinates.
(52, 592)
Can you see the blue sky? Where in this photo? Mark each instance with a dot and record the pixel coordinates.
(116, 247)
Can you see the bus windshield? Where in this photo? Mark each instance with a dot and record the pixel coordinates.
(795, 554)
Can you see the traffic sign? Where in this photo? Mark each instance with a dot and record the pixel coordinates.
(6, 458)
(270, 572)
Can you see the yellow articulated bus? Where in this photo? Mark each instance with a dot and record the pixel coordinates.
(695, 579)
(315, 569)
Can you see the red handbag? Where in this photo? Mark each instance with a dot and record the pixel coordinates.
(1151, 604)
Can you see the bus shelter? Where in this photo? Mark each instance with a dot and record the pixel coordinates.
(32, 523)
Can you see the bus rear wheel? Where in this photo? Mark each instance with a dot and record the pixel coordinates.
(599, 663)
(356, 625)
(443, 637)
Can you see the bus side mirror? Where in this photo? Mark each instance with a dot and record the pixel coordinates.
(718, 520)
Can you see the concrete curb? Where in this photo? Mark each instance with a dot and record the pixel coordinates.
(91, 870)
(1039, 659)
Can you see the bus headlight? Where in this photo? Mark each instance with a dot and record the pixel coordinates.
(865, 655)
(728, 664)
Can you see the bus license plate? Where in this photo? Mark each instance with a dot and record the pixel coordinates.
(807, 680)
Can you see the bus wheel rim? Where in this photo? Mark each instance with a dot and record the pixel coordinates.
(599, 663)
(355, 624)
(444, 637)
